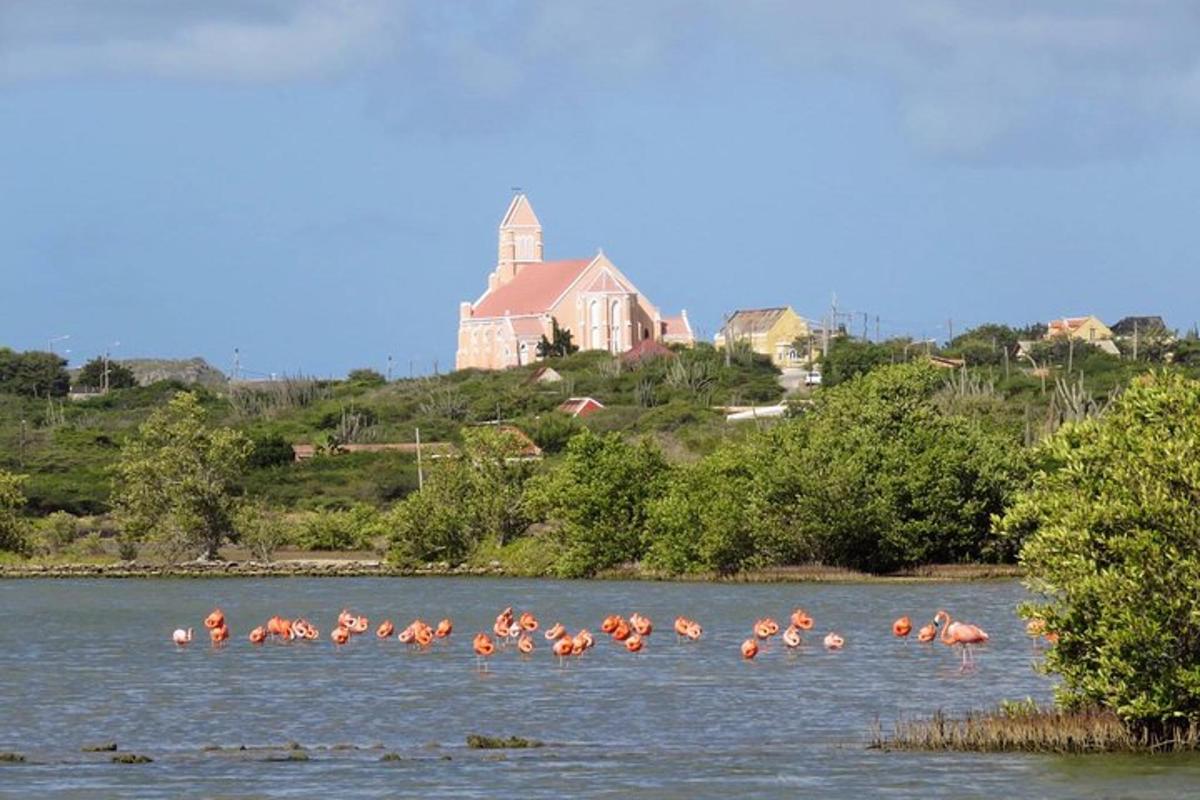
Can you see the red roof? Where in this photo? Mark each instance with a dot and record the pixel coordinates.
(676, 326)
(646, 348)
(534, 288)
(580, 406)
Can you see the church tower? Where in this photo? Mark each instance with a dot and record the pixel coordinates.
(520, 239)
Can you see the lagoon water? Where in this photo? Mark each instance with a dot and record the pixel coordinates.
(84, 662)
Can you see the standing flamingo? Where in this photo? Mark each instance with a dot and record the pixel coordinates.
(181, 636)
(960, 634)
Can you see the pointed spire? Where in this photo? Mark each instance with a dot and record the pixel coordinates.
(520, 214)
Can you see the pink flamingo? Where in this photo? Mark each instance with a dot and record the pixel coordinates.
(960, 634)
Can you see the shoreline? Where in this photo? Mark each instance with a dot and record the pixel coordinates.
(375, 568)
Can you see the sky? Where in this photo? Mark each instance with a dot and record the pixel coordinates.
(317, 183)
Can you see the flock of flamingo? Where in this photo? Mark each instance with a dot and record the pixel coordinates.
(632, 633)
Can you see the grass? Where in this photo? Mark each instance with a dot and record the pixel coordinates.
(11, 758)
(131, 758)
(1025, 727)
(477, 741)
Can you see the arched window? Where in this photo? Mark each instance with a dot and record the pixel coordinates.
(614, 339)
(523, 352)
(597, 325)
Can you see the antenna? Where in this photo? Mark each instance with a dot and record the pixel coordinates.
(516, 189)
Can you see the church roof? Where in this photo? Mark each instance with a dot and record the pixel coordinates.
(534, 288)
(520, 214)
(676, 326)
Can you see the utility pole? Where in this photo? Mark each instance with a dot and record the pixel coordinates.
(1135, 340)
(950, 328)
(825, 338)
(864, 326)
(727, 332)
(237, 363)
(420, 472)
(389, 369)
(435, 368)
(104, 375)
(877, 338)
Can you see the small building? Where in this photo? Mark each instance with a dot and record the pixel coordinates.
(644, 351)
(1149, 327)
(580, 406)
(678, 330)
(1085, 329)
(544, 375)
(771, 332)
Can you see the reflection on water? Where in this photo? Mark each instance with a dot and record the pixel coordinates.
(91, 661)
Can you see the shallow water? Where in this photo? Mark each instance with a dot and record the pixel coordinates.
(83, 662)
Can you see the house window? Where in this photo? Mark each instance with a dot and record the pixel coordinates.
(614, 340)
(597, 327)
(525, 248)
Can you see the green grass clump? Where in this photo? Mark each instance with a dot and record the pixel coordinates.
(131, 758)
(11, 758)
(104, 747)
(477, 741)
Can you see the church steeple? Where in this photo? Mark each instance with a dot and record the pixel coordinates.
(520, 238)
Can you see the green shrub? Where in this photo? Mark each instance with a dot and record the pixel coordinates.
(352, 529)
(14, 531)
(261, 530)
(597, 499)
(56, 532)
(271, 450)
(1112, 549)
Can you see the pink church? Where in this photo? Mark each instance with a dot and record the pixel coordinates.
(588, 296)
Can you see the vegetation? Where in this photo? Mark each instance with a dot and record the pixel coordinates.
(91, 375)
(176, 478)
(1110, 525)
(559, 344)
(13, 535)
(1026, 727)
(33, 374)
(597, 500)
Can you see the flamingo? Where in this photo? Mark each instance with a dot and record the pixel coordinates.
(525, 644)
(927, 633)
(182, 637)
(562, 648)
(555, 632)
(791, 636)
(902, 627)
(385, 629)
(340, 635)
(960, 634)
(483, 647)
(634, 643)
(258, 635)
(802, 620)
(215, 619)
(749, 649)
(834, 641)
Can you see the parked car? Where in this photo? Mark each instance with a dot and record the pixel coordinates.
(812, 379)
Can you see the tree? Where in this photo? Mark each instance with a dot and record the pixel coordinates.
(176, 478)
(1111, 549)
(559, 345)
(879, 477)
(366, 377)
(33, 374)
(597, 499)
(91, 375)
(261, 530)
(849, 358)
(13, 529)
(464, 500)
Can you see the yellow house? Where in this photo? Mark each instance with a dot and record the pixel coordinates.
(1085, 329)
(771, 332)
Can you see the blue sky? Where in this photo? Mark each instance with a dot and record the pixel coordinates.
(318, 182)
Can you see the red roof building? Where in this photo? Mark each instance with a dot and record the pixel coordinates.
(591, 298)
(580, 406)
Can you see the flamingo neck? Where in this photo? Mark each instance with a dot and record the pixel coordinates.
(945, 617)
